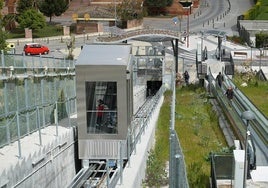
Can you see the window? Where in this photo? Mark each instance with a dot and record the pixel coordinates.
(101, 107)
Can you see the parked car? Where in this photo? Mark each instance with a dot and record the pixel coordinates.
(35, 49)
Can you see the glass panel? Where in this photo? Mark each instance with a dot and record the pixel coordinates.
(101, 106)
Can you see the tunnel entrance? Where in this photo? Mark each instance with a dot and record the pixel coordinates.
(153, 87)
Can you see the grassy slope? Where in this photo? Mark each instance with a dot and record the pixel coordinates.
(257, 92)
(198, 131)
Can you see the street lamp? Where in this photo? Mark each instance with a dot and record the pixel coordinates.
(260, 57)
(187, 5)
(115, 13)
(188, 23)
(251, 46)
(247, 115)
(260, 49)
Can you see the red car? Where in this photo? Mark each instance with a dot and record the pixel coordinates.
(35, 49)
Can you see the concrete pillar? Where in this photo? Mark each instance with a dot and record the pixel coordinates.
(28, 33)
(66, 30)
(238, 168)
(100, 27)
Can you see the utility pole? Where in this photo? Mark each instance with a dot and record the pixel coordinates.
(188, 23)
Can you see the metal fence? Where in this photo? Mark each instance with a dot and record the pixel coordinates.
(221, 168)
(35, 92)
(177, 168)
(178, 173)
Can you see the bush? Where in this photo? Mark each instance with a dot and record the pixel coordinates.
(48, 31)
(156, 174)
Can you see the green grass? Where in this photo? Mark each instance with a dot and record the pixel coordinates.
(49, 31)
(256, 91)
(199, 133)
(258, 12)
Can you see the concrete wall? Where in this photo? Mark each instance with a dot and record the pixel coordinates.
(134, 172)
(248, 28)
(254, 26)
(134, 23)
(52, 165)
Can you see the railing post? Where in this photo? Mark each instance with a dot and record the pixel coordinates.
(18, 130)
(56, 119)
(39, 128)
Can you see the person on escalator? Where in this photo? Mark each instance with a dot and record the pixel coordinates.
(219, 79)
(229, 93)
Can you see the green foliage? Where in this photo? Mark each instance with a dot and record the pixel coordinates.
(261, 39)
(256, 90)
(32, 19)
(199, 133)
(159, 155)
(236, 39)
(1, 6)
(196, 176)
(9, 21)
(156, 176)
(70, 47)
(156, 3)
(23, 5)
(61, 107)
(48, 31)
(3, 37)
(52, 8)
(169, 2)
(62, 112)
(129, 10)
(156, 7)
(258, 12)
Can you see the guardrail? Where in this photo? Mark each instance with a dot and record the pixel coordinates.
(260, 124)
(33, 90)
(140, 32)
(240, 104)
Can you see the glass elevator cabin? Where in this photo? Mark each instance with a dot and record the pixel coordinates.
(104, 100)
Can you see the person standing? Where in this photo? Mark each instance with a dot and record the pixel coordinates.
(229, 93)
(186, 77)
(219, 79)
(100, 109)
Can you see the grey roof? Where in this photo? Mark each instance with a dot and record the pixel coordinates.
(256, 25)
(105, 54)
(154, 38)
(215, 33)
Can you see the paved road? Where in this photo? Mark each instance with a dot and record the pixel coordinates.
(202, 18)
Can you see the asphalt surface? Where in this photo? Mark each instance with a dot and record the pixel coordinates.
(219, 12)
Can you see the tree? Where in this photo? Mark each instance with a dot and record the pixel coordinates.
(9, 21)
(24, 5)
(157, 6)
(129, 10)
(71, 46)
(32, 19)
(52, 7)
(3, 35)
(261, 40)
(1, 6)
(3, 38)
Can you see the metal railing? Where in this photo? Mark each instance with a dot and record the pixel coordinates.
(141, 119)
(240, 104)
(177, 166)
(139, 32)
(35, 92)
